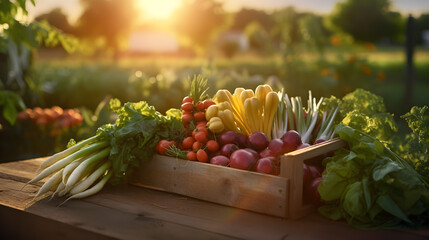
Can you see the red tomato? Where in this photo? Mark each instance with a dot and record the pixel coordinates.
(201, 124)
(200, 106)
(212, 146)
(197, 145)
(191, 156)
(200, 129)
(187, 106)
(157, 146)
(163, 146)
(186, 118)
(201, 137)
(202, 156)
(208, 103)
(199, 116)
(187, 99)
(187, 142)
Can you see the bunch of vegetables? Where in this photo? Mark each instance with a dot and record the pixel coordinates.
(85, 167)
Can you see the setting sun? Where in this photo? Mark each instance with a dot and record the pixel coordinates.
(159, 9)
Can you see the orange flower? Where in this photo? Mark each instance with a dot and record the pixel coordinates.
(325, 72)
(365, 69)
(381, 76)
(335, 40)
(370, 46)
(351, 59)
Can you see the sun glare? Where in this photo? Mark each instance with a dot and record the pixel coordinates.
(158, 9)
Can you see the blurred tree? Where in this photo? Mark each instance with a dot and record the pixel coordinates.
(422, 24)
(259, 39)
(366, 20)
(246, 16)
(56, 18)
(199, 22)
(286, 29)
(111, 20)
(314, 33)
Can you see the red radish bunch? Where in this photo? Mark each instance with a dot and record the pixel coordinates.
(197, 143)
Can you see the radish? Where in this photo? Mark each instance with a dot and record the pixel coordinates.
(228, 137)
(265, 165)
(242, 140)
(253, 152)
(267, 153)
(303, 145)
(311, 192)
(228, 149)
(276, 146)
(242, 159)
(258, 140)
(292, 140)
(220, 160)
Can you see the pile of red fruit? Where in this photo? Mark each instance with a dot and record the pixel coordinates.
(198, 142)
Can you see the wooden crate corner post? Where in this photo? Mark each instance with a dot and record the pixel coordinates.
(292, 167)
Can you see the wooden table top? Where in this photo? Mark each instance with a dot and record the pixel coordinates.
(130, 212)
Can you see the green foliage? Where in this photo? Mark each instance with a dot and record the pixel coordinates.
(135, 133)
(371, 187)
(57, 19)
(366, 112)
(415, 148)
(10, 103)
(259, 38)
(354, 17)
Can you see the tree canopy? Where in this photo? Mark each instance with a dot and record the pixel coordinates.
(366, 20)
(198, 21)
(111, 20)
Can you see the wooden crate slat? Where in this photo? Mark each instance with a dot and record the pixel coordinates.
(232, 187)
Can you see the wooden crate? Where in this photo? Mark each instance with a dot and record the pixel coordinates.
(274, 195)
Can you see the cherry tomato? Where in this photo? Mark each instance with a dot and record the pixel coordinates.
(163, 146)
(197, 145)
(201, 137)
(157, 146)
(199, 116)
(186, 118)
(187, 106)
(201, 124)
(208, 103)
(200, 106)
(191, 156)
(212, 146)
(187, 99)
(187, 142)
(199, 129)
(202, 156)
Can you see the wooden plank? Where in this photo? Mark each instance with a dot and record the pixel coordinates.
(291, 167)
(232, 187)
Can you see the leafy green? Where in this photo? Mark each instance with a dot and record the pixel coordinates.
(371, 187)
(415, 148)
(135, 133)
(366, 112)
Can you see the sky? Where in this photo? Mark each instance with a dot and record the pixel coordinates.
(159, 9)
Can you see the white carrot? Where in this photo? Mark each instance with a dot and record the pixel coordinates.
(63, 162)
(58, 156)
(91, 191)
(51, 183)
(80, 170)
(85, 184)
